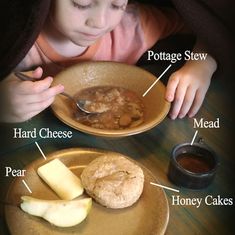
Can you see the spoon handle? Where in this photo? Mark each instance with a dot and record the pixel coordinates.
(23, 77)
(67, 95)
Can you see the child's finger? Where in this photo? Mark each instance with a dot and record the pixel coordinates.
(45, 95)
(37, 73)
(198, 100)
(40, 106)
(178, 101)
(188, 101)
(171, 87)
(28, 87)
(34, 107)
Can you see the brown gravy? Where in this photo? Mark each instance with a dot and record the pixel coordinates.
(194, 163)
(120, 108)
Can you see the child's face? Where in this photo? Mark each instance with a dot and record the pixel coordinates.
(85, 21)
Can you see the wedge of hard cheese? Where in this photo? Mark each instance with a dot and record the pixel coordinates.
(63, 181)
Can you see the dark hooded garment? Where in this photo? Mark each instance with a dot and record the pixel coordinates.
(20, 23)
(213, 23)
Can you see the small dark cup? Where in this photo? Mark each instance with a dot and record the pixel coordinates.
(192, 166)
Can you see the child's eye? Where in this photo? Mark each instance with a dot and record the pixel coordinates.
(117, 7)
(82, 7)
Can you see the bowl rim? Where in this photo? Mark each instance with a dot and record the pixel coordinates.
(108, 132)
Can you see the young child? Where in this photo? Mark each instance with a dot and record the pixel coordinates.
(111, 30)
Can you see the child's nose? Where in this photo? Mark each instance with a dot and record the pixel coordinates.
(98, 19)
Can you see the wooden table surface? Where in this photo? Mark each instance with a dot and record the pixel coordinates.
(153, 150)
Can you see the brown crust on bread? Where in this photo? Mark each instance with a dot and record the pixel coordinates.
(113, 181)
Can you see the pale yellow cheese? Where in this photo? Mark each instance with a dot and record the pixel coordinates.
(63, 181)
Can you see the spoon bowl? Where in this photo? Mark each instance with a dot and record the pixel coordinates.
(81, 104)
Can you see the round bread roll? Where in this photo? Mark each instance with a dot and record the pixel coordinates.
(113, 181)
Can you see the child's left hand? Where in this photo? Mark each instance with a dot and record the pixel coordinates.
(187, 87)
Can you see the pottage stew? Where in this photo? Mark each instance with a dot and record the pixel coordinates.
(118, 108)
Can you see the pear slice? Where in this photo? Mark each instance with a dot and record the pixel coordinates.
(62, 213)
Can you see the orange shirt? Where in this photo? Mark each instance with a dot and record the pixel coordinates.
(140, 28)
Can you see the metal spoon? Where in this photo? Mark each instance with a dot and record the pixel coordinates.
(79, 103)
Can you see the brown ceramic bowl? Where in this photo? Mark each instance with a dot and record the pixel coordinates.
(90, 74)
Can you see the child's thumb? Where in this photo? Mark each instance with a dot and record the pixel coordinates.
(36, 74)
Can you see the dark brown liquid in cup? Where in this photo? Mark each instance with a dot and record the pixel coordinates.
(194, 163)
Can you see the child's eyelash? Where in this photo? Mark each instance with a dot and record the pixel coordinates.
(83, 7)
(122, 7)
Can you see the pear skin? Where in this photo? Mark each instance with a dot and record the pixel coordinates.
(61, 213)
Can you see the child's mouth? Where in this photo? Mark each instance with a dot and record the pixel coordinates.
(91, 36)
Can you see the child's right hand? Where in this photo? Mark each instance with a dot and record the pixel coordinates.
(21, 100)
